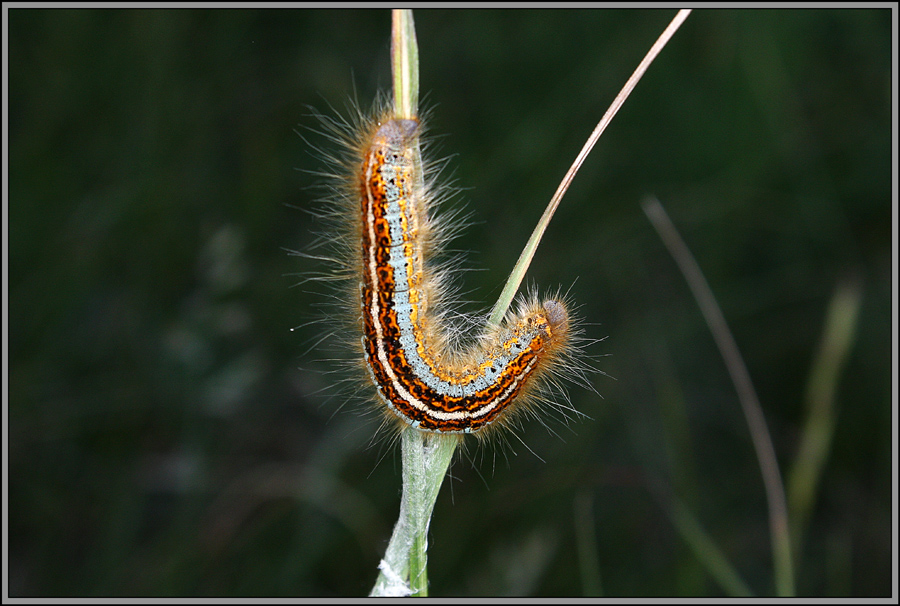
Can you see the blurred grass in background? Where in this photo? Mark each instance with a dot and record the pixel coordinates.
(168, 437)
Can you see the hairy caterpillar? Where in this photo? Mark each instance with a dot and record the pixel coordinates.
(422, 372)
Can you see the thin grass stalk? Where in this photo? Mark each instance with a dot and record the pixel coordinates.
(740, 376)
(518, 272)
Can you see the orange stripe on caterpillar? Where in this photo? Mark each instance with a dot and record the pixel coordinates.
(431, 389)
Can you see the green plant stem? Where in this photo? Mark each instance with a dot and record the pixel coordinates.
(404, 64)
(425, 457)
(821, 409)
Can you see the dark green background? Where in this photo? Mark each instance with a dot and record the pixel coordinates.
(167, 434)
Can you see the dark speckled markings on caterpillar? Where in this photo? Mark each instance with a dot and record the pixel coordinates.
(405, 346)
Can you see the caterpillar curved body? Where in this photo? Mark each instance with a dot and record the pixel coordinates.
(404, 344)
